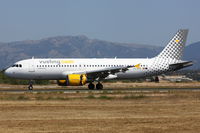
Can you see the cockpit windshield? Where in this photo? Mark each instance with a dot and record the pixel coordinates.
(17, 65)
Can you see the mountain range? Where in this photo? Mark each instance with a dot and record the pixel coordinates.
(81, 47)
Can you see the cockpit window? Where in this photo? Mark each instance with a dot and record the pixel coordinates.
(17, 65)
(14, 65)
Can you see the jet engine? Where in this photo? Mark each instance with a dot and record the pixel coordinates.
(73, 80)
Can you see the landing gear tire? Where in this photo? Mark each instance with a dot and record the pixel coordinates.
(99, 86)
(91, 86)
(30, 86)
(156, 79)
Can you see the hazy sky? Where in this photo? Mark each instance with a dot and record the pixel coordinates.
(151, 22)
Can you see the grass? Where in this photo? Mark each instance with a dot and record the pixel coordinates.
(15, 98)
(39, 98)
(175, 111)
(23, 98)
(104, 97)
(141, 96)
(91, 97)
(51, 98)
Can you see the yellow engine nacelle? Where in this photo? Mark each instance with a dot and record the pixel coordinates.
(73, 80)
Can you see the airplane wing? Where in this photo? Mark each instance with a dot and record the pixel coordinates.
(103, 73)
(177, 66)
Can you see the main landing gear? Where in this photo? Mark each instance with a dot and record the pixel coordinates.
(99, 86)
(91, 86)
(30, 86)
(156, 79)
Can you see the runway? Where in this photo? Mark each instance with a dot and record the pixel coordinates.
(108, 87)
(110, 90)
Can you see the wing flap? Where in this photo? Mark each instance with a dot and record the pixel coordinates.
(103, 73)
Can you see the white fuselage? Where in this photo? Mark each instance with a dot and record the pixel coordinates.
(56, 69)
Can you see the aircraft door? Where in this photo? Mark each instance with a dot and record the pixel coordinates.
(32, 66)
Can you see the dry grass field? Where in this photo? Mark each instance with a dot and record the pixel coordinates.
(117, 112)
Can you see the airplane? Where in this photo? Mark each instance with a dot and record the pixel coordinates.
(81, 71)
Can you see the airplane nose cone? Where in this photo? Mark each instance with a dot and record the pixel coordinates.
(7, 72)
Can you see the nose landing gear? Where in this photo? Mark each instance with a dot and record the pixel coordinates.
(30, 86)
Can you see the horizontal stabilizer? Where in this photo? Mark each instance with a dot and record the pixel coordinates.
(177, 66)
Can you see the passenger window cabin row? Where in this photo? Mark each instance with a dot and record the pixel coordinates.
(42, 66)
(81, 65)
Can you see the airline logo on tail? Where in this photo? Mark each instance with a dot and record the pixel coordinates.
(177, 41)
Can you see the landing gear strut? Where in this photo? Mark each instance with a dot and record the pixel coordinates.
(99, 86)
(30, 86)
